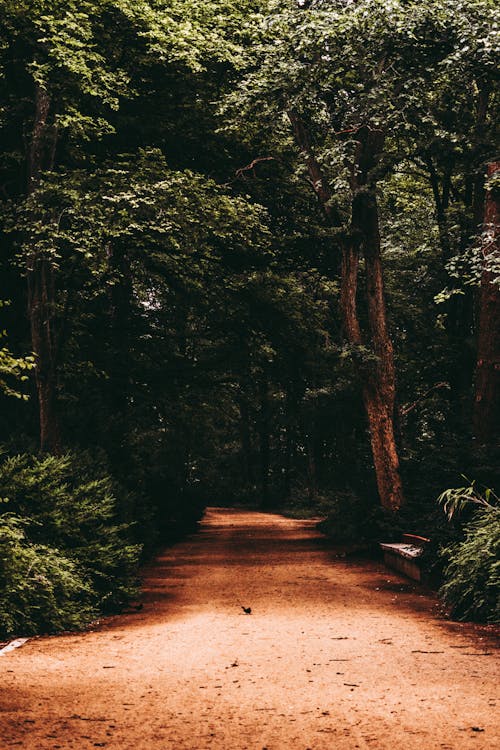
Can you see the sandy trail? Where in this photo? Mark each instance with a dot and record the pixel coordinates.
(335, 654)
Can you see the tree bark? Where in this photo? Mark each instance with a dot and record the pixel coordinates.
(379, 388)
(41, 287)
(264, 440)
(312, 475)
(318, 182)
(441, 203)
(40, 305)
(290, 412)
(486, 416)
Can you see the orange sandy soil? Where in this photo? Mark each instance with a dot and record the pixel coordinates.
(335, 654)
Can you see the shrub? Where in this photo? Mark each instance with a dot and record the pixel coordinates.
(40, 589)
(472, 573)
(66, 556)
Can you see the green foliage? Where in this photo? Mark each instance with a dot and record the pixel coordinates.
(472, 574)
(456, 499)
(66, 555)
(42, 590)
(471, 585)
(13, 370)
(194, 286)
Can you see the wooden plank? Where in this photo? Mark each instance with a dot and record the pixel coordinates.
(410, 551)
(403, 565)
(418, 541)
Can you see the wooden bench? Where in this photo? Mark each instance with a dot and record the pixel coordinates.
(404, 556)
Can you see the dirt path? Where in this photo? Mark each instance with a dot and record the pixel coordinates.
(335, 654)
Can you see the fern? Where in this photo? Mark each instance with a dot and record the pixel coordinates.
(472, 574)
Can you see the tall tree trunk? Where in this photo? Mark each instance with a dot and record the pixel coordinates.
(378, 383)
(487, 401)
(290, 440)
(478, 178)
(40, 310)
(264, 439)
(286, 471)
(441, 202)
(119, 363)
(245, 434)
(312, 474)
(379, 389)
(41, 287)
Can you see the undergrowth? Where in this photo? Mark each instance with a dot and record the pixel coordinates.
(64, 556)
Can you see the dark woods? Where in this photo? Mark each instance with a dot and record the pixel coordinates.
(252, 258)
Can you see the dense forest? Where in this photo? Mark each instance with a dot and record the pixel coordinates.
(249, 255)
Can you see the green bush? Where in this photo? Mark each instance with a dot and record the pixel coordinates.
(471, 585)
(40, 589)
(472, 574)
(65, 556)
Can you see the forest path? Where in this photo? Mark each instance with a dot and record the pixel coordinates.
(335, 654)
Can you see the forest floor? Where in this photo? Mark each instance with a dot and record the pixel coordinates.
(336, 653)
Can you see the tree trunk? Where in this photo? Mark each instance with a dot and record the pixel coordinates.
(312, 475)
(441, 203)
(379, 389)
(118, 424)
(41, 288)
(487, 401)
(318, 182)
(286, 471)
(40, 305)
(245, 434)
(264, 439)
(290, 440)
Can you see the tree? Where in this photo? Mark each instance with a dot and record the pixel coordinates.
(367, 88)
(308, 111)
(379, 390)
(487, 401)
(68, 67)
(52, 50)
(221, 297)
